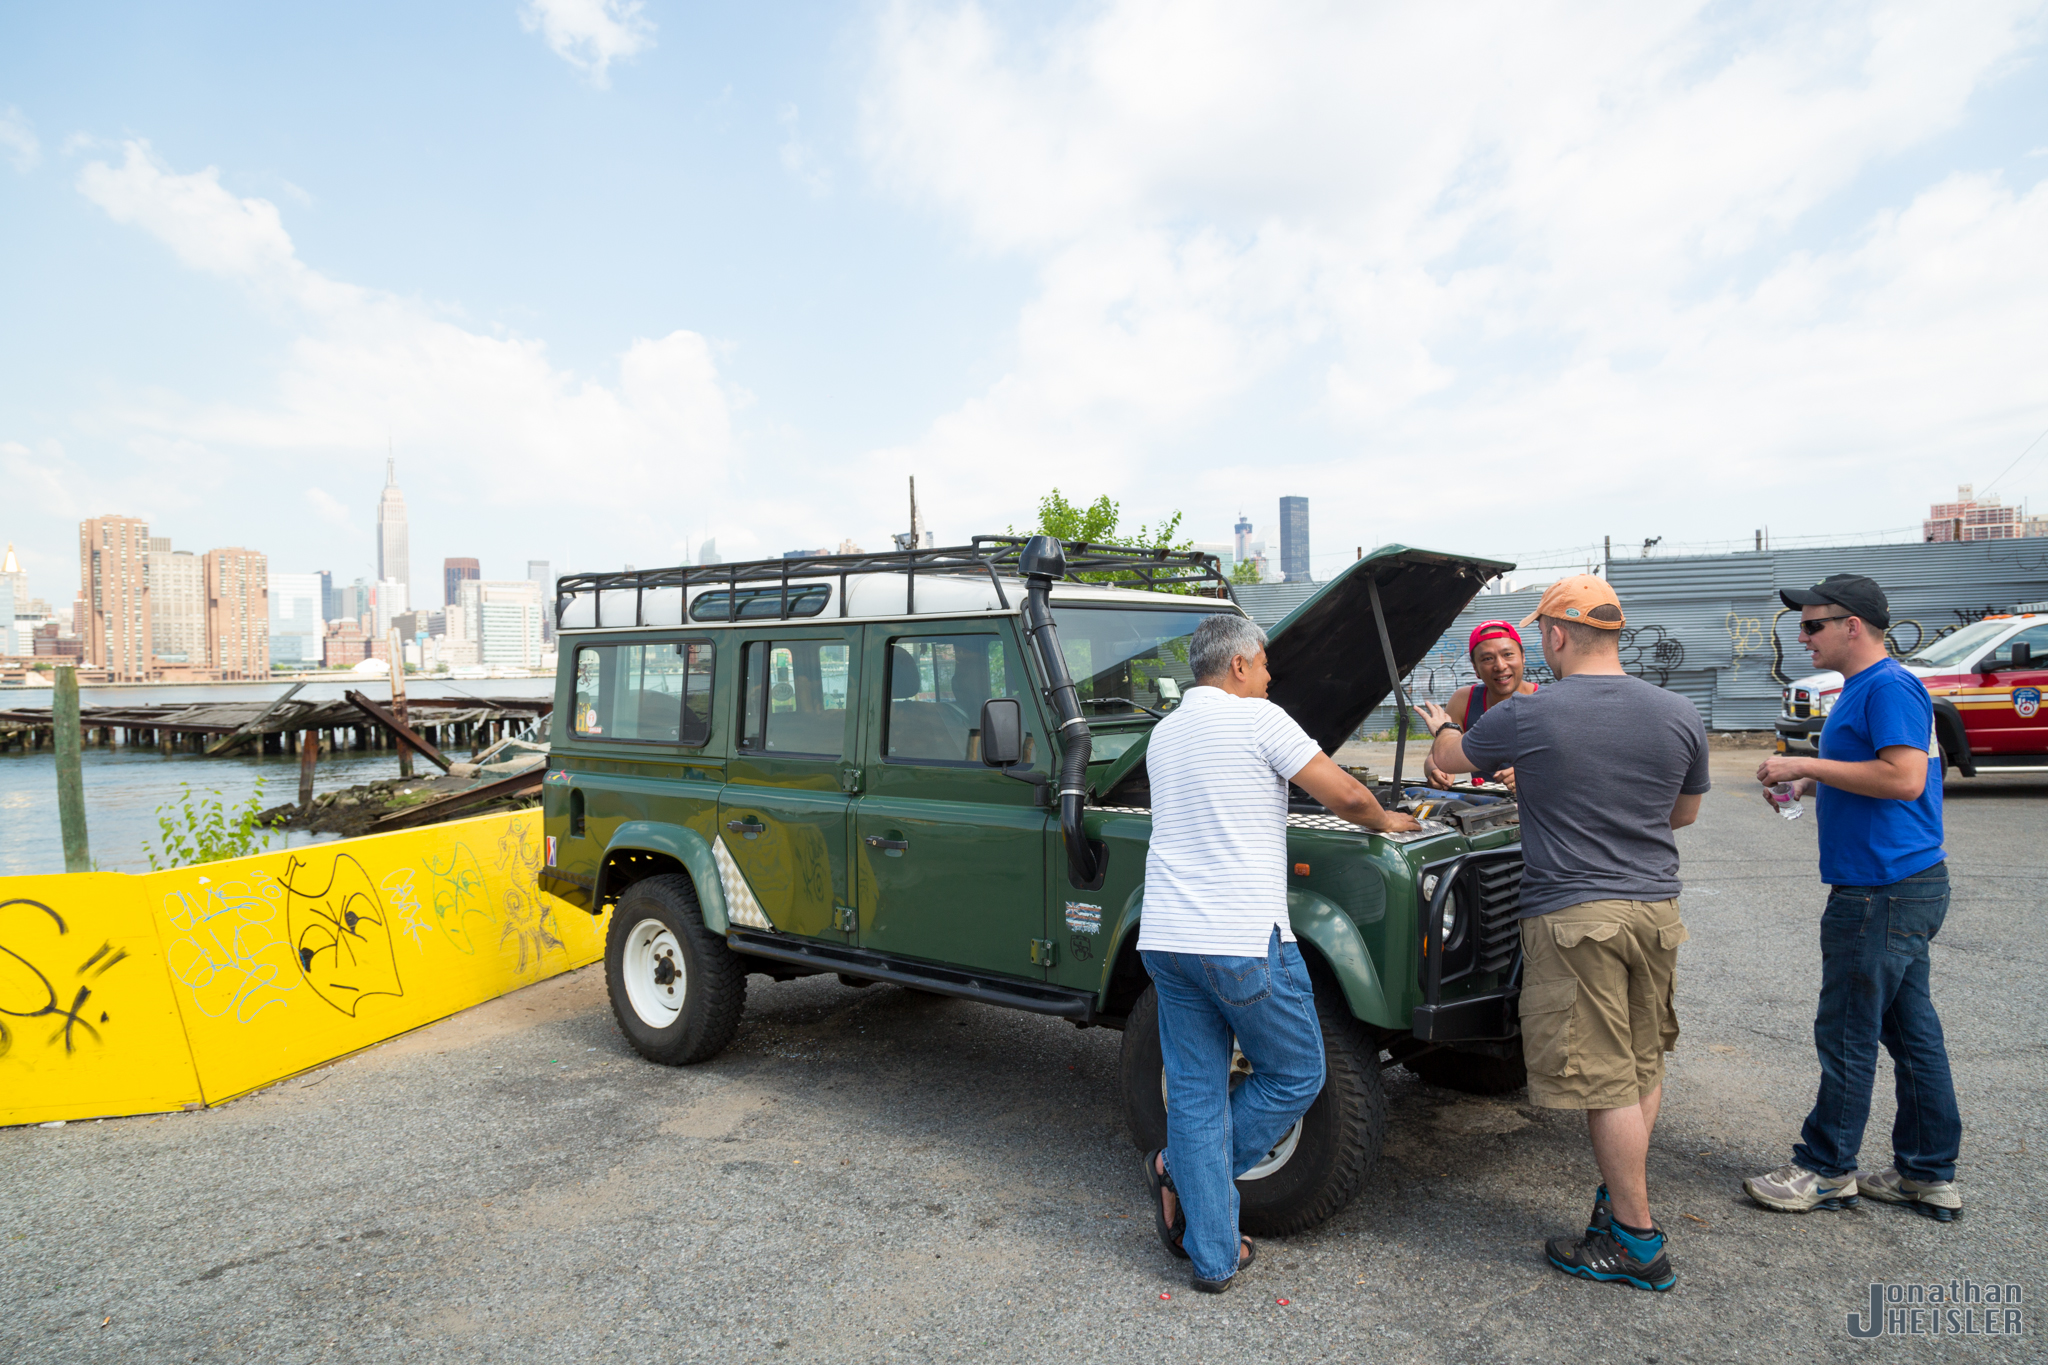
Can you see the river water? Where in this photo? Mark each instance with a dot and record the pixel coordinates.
(124, 787)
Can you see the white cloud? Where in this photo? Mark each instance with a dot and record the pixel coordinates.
(18, 141)
(590, 34)
(1526, 239)
(493, 416)
(330, 509)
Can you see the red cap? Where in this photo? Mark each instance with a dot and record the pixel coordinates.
(1493, 630)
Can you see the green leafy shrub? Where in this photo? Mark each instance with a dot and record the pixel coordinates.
(200, 827)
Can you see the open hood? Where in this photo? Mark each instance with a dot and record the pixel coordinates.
(1329, 670)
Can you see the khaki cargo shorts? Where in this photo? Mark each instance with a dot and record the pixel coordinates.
(1596, 1001)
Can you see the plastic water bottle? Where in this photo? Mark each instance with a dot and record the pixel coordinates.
(1784, 798)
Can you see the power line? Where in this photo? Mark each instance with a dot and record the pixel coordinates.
(2014, 465)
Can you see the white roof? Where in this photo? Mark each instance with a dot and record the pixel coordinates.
(869, 597)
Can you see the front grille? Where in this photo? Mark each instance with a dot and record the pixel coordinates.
(1497, 885)
(1801, 711)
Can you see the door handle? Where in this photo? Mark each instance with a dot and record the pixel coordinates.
(888, 845)
(746, 827)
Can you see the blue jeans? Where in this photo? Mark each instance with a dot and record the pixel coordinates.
(1213, 1133)
(1873, 989)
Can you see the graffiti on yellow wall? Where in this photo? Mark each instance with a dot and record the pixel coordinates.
(265, 966)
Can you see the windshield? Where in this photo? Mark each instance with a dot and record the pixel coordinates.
(1125, 655)
(1951, 650)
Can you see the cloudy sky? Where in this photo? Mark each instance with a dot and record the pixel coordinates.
(611, 277)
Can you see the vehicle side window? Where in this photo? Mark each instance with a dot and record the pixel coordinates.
(2035, 638)
(936, 687)
(793, 697)
(652, 693)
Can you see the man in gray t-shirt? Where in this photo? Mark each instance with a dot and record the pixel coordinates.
(1607, 766)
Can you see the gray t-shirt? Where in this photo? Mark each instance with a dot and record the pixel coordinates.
(1599, 761)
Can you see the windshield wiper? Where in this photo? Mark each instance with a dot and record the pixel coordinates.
(1123, 701)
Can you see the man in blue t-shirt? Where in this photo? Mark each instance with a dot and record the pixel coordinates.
(1878, 785)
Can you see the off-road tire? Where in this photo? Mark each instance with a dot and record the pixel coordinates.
(1470, 1072)
(715, 980)
(1341, 1134)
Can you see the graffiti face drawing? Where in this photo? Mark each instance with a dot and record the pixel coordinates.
(340, 932)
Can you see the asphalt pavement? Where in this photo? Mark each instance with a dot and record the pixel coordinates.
(880, 1175)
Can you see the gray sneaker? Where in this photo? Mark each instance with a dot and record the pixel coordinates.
(1938, 1199)
(1794, 1189)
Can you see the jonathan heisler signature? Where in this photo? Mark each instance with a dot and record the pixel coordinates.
(1958, 1308)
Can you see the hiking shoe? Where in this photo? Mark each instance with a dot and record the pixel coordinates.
(1938, 1199)
(1601, 1256)
(1794, 1189)
(1602, 1216)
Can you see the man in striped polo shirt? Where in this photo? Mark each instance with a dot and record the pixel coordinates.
(1216, 940)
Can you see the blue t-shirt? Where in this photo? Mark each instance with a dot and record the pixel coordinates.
(1875, 840)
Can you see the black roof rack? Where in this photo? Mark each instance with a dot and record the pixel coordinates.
(1113, 565)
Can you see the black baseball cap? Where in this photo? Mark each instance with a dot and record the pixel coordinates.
(1852, 592)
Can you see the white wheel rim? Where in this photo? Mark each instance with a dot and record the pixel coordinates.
(1240, 1067)
(656, 975)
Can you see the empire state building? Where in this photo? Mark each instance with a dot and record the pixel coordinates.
(393, 560)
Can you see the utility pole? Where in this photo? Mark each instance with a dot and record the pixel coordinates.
(398, 702)
(70, 774)
(1606, 549)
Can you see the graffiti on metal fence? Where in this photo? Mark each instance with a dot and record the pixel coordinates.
(29, 931)
(1651, 654)
(1745, 640)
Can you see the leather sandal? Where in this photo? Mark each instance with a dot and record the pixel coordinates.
(1244, 1263)
(1170, 1234)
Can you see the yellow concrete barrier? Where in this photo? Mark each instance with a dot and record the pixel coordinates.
(221, 978)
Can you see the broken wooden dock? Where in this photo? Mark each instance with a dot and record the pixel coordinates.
(277, 726)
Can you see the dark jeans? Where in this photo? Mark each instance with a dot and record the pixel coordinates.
(1873, 989)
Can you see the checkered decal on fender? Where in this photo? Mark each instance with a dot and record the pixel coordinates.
(740, 906)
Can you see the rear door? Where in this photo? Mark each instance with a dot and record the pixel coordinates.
(782, 845)
(950, 853)
(2013, 722)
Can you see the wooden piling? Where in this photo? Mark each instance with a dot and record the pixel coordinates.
(309, 755)
(70, 772)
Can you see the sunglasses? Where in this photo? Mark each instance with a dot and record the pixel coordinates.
(1818, 623)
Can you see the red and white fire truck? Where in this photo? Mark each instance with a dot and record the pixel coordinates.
(1987, 679)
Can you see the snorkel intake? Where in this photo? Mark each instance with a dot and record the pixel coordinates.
(1043, 562)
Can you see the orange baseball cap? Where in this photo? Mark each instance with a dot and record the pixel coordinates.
(1584, 598)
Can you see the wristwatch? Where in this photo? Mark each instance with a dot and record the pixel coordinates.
(1447, 725)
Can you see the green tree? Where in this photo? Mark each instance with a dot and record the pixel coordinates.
(1245, 571)
(1096, 524)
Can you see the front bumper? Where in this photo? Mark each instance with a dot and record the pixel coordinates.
(1799, 736)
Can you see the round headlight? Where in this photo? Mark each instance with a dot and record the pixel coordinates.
(1450, 916)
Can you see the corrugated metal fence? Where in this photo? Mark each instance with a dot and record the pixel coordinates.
(1713, 629)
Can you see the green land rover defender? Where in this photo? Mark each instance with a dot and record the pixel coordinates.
(927, 768)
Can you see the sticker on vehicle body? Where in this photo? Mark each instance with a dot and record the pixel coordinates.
(2026, 701)
(549, 841)
(1083, 919)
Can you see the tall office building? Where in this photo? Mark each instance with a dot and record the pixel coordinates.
(539, 572)
(504, 617)
(296, 625)
(454, 573)
(1294, 541)
(113, 591)
(327, 611)
(238, 612)
(177, 605)
(393, 557)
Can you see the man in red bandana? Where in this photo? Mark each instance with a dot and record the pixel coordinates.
(1496, 653)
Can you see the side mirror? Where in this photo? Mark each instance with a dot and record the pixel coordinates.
(1002, 732)
(1169, 690)
(2022, 656)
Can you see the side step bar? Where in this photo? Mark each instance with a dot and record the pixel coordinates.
(1059, 1001)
